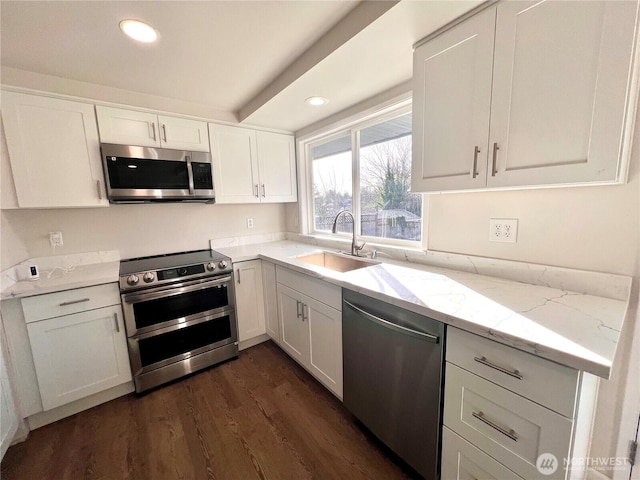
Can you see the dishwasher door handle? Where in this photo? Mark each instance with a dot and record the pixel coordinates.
(385, 323)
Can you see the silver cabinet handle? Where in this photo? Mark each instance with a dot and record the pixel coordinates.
(153, 128)
(512, 373)
(298, 303)
(73, 302)
(264, 192)
(495, 157)
(99, 189)
(474, 172)
(385, 323)
(256, 187)
(115, 320)
(508, 433)
(305, 316)
(164, 132)
(238, 276)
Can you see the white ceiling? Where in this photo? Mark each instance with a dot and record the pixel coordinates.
(257, 59)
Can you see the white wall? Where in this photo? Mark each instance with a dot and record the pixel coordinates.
(134, 230)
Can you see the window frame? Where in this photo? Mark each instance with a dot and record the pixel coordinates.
(352, 128)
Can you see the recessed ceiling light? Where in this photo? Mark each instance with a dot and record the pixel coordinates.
(139, 31)
(316, 101)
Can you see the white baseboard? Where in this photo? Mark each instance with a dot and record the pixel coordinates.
(253, 341)
(45, 418)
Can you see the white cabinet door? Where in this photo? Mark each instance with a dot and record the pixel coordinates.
(54, 151)
(325, 343)
(128, 127)
(294, 331)
(462, 461)
(249, 299)
(235, 164)
(80, 354)
(270, 300)
(183, 134)
(451, 107)
(560, 99)
(8, 412)
(277, 167)
(131, 127)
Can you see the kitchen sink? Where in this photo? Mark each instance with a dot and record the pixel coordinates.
(336, 261)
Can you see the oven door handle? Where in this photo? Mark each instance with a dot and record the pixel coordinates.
(189, 323)
(168, 291)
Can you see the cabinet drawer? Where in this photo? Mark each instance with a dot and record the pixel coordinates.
(322, 291)
(508, 427)
(540, 380)
(463, 461)
(70, 301)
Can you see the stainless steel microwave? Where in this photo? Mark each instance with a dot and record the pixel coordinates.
(137, 174)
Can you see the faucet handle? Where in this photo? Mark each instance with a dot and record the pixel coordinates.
(358, 248)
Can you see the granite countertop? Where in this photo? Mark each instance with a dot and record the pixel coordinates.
(62, 273)
(579, 330)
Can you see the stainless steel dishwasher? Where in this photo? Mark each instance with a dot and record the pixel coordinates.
(393, 375)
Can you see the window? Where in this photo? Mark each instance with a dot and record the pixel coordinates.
(367, 171)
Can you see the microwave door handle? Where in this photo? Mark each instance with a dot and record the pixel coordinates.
(190, 173)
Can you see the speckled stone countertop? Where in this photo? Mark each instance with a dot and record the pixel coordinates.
(579, 330)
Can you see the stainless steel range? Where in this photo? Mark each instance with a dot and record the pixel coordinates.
(179, 313)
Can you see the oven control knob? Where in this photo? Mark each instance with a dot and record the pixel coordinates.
(133, 279)
(223, 264)
(211, 266)
(148, 277)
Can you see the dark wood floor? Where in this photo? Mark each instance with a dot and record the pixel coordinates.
(261, 416)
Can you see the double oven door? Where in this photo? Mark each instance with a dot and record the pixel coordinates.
(174, 323)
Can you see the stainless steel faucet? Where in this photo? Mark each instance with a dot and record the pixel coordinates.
(355, 248)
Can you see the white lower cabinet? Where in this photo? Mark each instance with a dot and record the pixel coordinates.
(249, 299)
(79, 354)
(78, 342)
(505, 408)
(270, 301)
(311, 325)
(8, 411)
(462, 461)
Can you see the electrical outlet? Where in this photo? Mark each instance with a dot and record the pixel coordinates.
(249, 222)
(55, 239)
(503, 230)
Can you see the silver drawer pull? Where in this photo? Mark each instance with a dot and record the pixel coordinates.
(72, 302)
(298, 303)
(511, 373)
(474, 171)
(508, 433)
(115, 319)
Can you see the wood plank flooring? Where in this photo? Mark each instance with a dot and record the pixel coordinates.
(258, 417)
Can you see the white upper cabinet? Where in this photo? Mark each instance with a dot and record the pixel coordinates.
(277, 167)
(54, 151)
(451, 106)
(235, 164)
(559, 109)
(131, 127)
(252, 166)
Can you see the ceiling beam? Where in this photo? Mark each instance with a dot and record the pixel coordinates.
(348, 27)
